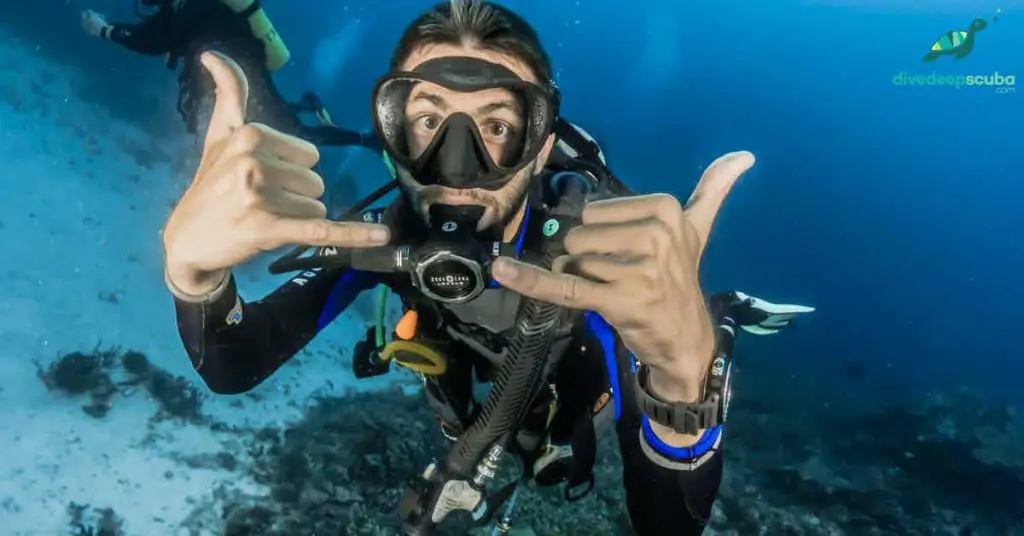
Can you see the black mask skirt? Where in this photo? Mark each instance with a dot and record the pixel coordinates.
(457, 156)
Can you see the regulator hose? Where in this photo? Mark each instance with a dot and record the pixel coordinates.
(514, 387)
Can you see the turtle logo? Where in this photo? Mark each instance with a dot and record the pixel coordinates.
(957, 43)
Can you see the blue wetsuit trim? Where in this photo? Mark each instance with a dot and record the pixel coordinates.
(519, 243)
(606, 337)
(522, 231)
(701, 447)
(344, 292)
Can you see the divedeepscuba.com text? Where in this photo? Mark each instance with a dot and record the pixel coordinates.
(1001, 83)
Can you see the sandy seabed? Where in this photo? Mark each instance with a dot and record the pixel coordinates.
(83, 197)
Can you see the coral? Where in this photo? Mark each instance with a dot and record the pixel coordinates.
(106, 522)
(136, 363)
(91, 374)
(246, 521)
(944, 463)
(178, 398)
(344, 467)
(345, 463)
(78, 373)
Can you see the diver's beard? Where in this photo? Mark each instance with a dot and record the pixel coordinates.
(494, 209)
(500, 206)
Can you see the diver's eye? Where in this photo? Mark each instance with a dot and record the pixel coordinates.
(497, 131)
(427, 123)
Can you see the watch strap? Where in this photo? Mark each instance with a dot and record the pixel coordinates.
(683, 417)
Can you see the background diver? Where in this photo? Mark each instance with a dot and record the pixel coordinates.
(519, 258)
(181, 29)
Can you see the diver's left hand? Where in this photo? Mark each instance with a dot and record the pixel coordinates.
(93, 23)
(635, 261)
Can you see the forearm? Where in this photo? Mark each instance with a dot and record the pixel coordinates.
(234, 346)
(668, 490)
(685, 383)
(664, 500)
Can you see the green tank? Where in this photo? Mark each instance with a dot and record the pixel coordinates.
(262, 29)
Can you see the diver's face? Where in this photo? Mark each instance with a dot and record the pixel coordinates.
(498, 115)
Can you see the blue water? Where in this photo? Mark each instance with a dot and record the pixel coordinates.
(895, 210)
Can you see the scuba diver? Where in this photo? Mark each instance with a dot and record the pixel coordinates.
(181, 29)
(519, 258)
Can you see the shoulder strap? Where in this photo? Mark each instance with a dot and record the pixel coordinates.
(584, 155)
(584, 147)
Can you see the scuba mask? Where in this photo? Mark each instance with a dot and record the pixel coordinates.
(456, 154)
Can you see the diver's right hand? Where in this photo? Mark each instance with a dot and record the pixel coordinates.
(254, 191)
(93, 23)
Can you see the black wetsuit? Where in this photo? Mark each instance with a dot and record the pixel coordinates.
(184, 31)
(235, 345)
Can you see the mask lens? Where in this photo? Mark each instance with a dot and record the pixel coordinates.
(427, 121)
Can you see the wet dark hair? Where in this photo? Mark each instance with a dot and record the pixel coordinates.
(485, 24)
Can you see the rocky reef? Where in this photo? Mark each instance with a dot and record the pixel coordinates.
(102, 375)
(943, 464)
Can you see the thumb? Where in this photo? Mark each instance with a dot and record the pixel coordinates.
(714, 185)
(232, 94)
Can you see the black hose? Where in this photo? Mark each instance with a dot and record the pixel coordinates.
(520, 376)
(370, 199)
(515, 386)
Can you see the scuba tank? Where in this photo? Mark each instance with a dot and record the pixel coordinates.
(276, 51)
